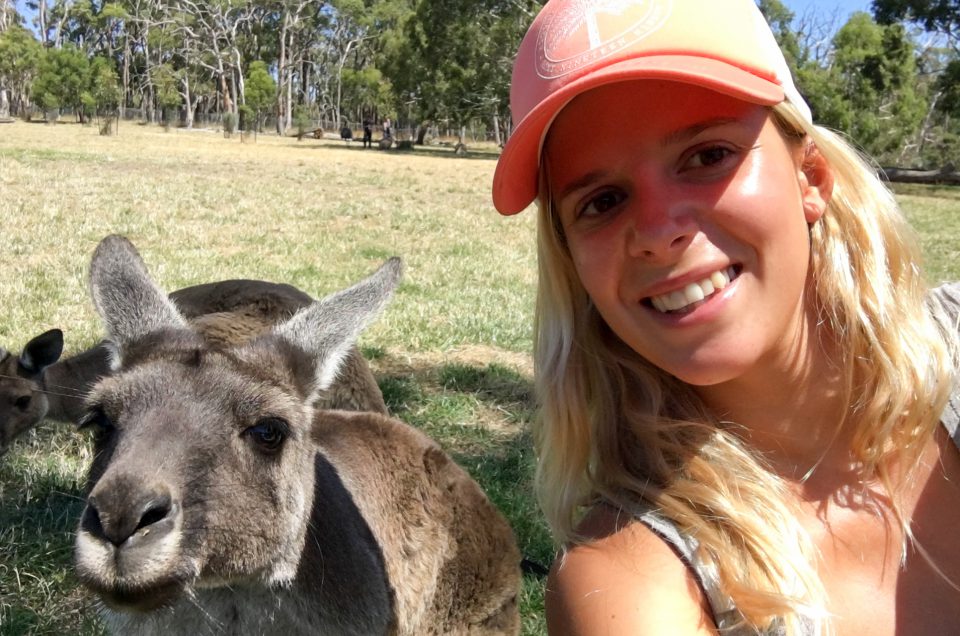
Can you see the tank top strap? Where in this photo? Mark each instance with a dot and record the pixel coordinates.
(725, 614)
(944, 302)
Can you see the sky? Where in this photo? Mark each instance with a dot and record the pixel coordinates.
(844, 7)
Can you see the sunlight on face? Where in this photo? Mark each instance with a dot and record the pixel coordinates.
(683, 210)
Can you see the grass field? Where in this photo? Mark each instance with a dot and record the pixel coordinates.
(451, 352)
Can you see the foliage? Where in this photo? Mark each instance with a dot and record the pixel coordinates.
(941, 16)
(455, 58)
(229, 124)
(870, 90)
(62, 79)
(19, 63)
(260, 91)
(104, 93)
(302, 120)
(446, 64)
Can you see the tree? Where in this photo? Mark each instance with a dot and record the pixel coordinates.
(19, 63)
(940, 16)
(104, 94)
(870, 90)
(165, 82)
(455, 59)
(260, 92)
(62, 79)
(104, 85)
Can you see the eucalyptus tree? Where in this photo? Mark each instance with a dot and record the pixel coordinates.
(939, 16)
(455, 58)
(19, 63)
(8, 15)
(216, 28)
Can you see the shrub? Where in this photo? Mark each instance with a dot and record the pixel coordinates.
(229, 124)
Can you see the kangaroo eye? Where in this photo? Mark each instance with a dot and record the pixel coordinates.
(22, 402)
(268, 434)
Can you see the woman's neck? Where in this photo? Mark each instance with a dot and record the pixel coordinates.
(791, 408)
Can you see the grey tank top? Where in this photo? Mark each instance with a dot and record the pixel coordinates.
(945, 304)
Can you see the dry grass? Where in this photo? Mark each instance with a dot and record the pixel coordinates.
(316, 214)
(451, 351)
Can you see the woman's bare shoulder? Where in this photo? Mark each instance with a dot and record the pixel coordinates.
(623, 579)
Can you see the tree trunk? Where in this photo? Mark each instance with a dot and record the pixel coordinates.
(281, 72)
(126, 79)
(42, 20)
(288, 114)
(496, 128)
(240, 82)
(948, 175)
(189, 103)
(225, 92)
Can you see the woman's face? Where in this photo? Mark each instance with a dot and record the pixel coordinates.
(686, 214)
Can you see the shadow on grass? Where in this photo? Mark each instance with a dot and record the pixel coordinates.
(428, 151)
(38, 591)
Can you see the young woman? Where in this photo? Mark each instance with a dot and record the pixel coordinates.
(746, 387)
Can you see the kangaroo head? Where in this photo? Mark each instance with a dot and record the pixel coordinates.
(23, 402)
(203, 467)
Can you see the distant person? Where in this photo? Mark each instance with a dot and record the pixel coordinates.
(748, 401)
(367, 134)
(387, 132)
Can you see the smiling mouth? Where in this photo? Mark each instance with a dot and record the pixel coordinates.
(681, 301)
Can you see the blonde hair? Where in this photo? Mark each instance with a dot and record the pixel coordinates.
(613, 427)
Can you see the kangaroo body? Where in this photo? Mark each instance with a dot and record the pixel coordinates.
(222, 500)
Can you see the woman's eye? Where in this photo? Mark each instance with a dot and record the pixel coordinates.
(707, 157)
(601, 203)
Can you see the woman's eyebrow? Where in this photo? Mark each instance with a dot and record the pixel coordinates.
(581, 182)
(677, 136)
(689, 132)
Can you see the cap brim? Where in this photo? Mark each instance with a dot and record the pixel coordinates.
(515, 177)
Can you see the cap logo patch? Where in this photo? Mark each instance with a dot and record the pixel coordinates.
(584, 31)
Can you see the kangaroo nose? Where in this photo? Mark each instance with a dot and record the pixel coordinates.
(117, 514)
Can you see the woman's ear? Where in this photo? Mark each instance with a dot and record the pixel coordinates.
(816, 182)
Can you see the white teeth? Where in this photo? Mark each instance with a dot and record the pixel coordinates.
(694, 292)
(675, 300)
(719, 280)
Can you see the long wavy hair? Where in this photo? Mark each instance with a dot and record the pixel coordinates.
(613, 427)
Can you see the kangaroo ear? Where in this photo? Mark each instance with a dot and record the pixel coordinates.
(42, 351)
(128, 301)
(326, 329)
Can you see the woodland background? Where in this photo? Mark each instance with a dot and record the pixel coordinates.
(890, 79)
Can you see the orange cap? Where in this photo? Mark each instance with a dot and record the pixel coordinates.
(575, 45)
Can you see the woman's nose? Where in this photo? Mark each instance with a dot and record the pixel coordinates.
(661, 228)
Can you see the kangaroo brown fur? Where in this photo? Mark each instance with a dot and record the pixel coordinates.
(37, 384)
(222, 501)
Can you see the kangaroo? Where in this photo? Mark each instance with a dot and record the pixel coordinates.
(222, 501)
(37, 384)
